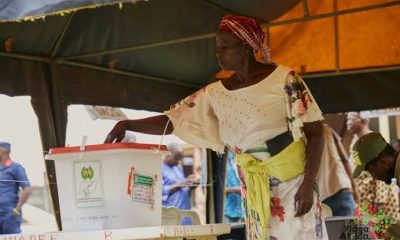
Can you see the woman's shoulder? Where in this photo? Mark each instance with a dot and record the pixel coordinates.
(215, 81)
(284, 69)
(213, 87)
(276, 72)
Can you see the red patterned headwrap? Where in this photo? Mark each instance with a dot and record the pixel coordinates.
(248, 31)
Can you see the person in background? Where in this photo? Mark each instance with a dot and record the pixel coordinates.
(12, 179)
(377, 164)
(357, 125)
(233, 212)
(334, 177)
(396, 144)
(373, 154)
(176, 188)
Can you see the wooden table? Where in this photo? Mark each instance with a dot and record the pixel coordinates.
(198, 232)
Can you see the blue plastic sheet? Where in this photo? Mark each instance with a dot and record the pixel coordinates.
(12, 10)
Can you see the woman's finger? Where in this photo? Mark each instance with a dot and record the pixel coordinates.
(299, 210)
(119, 138)
(305, 208)
(108, 139)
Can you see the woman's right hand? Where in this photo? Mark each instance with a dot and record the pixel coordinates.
(117, 133)
(156, 125)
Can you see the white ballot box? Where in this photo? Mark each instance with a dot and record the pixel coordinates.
(109, 186)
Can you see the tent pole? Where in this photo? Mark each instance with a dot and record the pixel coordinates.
(131, 74)
(338, 13)
(369, 70)
(43, 103)
(59, 111)
(305, 8)
(141, 46)
(336, 36)
(60, 37)
(25, 57)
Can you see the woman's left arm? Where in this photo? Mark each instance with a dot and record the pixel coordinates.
(304, 197)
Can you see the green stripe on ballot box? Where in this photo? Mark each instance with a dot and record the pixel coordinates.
(143, 180)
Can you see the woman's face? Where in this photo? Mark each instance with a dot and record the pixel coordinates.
(230, 51)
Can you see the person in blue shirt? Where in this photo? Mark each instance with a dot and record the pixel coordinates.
(12, 179)
(176, 188)
(233, 201)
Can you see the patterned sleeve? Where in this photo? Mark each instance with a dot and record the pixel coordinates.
(300, 105)
(195, 122)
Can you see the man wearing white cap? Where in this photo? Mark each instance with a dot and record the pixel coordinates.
(12, 179)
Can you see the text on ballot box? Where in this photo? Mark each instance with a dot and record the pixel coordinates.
(109, 186)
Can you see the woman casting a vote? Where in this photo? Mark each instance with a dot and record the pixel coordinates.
(267, 116)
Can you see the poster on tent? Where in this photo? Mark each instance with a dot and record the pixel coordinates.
(88, 184)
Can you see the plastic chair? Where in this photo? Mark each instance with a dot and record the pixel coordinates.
(174, 216)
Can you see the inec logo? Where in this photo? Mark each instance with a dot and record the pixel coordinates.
(87, 173)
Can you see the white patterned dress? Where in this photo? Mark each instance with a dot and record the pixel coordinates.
(215, 117)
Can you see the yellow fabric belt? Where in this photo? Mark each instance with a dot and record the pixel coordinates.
(285, 165)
